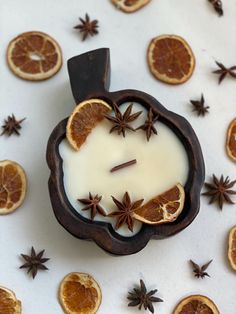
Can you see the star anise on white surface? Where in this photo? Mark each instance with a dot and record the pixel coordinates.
(87, 27)
(224, 71)
(220, 190)
(34, 262)
(200, 271)
(11, 125)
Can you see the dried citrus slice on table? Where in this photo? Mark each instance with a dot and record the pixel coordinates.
(34, 56)
(232, 248)
(163, 208)
(130, 6)
(8, 302)
(170, 59)
(12, 186)
(83, 119)
(196, 304)
(79, 293)
(231, 140)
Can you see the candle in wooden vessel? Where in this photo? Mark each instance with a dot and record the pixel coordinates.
(160, 163)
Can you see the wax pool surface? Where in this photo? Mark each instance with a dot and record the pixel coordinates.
(161, 163)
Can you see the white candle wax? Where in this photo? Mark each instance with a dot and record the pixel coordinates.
(161, 163)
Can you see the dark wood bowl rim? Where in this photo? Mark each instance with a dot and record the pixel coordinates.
(103, 233)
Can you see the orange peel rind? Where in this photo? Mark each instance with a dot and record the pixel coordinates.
(13, 185)
(196, 304)
(170, 59)
(8, 302)
(163, 208)
(130, 6)
(232, 248)
(34, 56)
(79, 293)
(83, 119)
(231, 140)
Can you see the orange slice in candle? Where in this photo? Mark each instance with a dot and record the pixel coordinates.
(196, 304)
(163, 208)
(170, 59)
(79, 293)
(83, 119)
(232, 248)
(12, 186)
(130, 6)
(8, 302)
(231, 140)
(34, 56)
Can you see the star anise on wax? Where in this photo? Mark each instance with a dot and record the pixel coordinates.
(141, 298)
(200, 270)
(223, 71)
(125, 211)
(34, 262)
(148, 125)
(219, 190)
(12, 125)
(87, 27)
(92, 203)
(218, 6)
(121, 121)
(199, 106)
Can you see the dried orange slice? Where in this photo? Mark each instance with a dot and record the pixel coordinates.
(12, 186)
(231, 140)
(170, 59)
(8, 302)
(163, 208)
(79, 293)
(232, 248)
(196, 304)
(130, 6)
(34, 56)
(83, 119)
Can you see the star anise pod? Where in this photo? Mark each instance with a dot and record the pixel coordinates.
(87, 27)
(140, 297)
(125, 211)
(199, 106)
(121, 121)
(200, 270)
(11, 125)
(218, 6)
(148, 125)
(219, 190)
(34, 262)
(92, 203)
(223, 71)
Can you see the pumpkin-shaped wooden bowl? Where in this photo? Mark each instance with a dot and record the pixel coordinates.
(89, 76)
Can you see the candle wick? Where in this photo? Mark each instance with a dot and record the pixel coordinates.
(125, 164)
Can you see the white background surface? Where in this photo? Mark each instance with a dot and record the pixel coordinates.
(162, 264)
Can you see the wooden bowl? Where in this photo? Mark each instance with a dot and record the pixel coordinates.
(89, 76)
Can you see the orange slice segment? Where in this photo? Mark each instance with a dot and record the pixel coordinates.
(232, 248)
(34, 56)
(196, 304)
(163, 208)
(8, 302)
(83, 119)
(130, 6)
(12, 186)
(170, 59)
(79, 293)
(231, 140)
